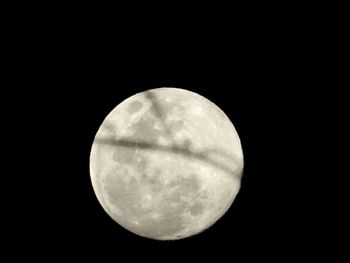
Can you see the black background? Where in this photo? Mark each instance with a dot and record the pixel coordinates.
(262, 79)
(265, 216)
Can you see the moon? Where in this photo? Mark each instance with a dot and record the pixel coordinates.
(166, 164)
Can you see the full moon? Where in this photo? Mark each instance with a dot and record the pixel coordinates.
(166, 163)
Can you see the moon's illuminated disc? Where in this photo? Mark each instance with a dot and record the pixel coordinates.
(166, 163)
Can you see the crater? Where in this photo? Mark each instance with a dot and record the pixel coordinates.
(134, 107)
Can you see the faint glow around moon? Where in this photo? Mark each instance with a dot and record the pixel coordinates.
(166, 163)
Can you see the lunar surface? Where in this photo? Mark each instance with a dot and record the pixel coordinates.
(166, 164)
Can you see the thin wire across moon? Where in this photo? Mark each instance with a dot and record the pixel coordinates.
(166, 164)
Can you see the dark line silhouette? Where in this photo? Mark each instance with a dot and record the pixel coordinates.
(175, 149)
(207, 155)
(158, 112)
